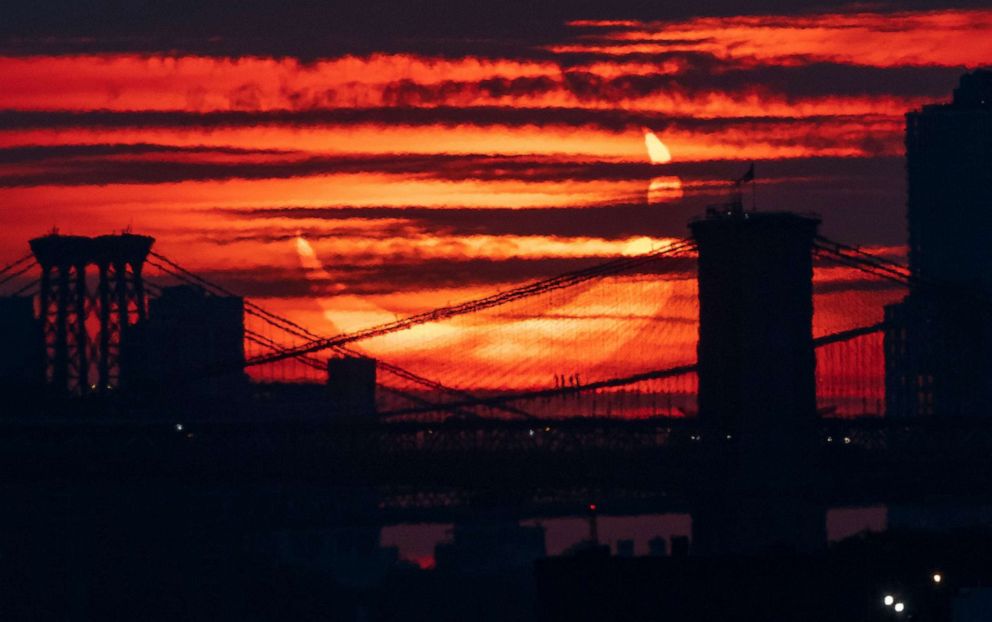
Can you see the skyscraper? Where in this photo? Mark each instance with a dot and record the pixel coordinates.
(22, 362)
(194, 346)
(939, 342)
(949, 174)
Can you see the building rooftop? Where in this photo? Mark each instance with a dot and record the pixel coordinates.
(727, 214)
(974, 90)
(973, 93)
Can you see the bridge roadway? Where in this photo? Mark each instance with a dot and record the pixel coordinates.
(419, 471)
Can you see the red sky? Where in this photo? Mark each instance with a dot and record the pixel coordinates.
(434, 172)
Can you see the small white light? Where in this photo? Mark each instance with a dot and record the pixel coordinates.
(847, 440)
(937, 578)
(179, 427)
(531, 432)
(899, 607)
(888, 600)
(830, 439)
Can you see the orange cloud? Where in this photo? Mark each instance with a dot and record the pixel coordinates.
(837, 137)
(613, 327)
(950, 37)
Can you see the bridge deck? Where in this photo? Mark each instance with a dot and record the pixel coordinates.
(537, 467)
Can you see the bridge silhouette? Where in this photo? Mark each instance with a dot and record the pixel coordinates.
(279, 348)
(449, 447)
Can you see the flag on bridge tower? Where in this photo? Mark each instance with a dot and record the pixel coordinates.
(748, 176)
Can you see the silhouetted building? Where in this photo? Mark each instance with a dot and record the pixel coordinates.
(490, 547)
(194, 344)
(938, 356)
(118, 302)
(949, 174)
(680, 547)
(972, 605)
(847, 582)
(351, 385)
(625, 548)
(757, 382)
(939, 339)
(21, 348)
(331, 530)
(657, 547)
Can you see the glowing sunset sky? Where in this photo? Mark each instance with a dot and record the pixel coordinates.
(346, 169)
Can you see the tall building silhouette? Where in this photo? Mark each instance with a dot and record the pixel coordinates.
(194, 346)
(22, 364)
(949, 175)
(351, 385)
(939, 342)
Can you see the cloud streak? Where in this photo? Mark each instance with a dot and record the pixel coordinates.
(433, 165)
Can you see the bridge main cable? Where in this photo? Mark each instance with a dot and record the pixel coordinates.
(298, 330)
(15, 263)
(494, 400)
(866, 262)
(314, 363)
(609, 383)
(567, 279)
(893, 271)
(16, 273)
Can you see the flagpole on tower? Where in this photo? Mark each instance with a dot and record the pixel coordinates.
(754, 191)
(748, 176)
(737, 206)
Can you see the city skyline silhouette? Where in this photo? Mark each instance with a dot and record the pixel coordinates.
(618, 315)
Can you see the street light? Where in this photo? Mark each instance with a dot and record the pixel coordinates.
(888, 600)
(899, 607)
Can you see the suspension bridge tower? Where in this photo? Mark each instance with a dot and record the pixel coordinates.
(757, 383)
(86, 325)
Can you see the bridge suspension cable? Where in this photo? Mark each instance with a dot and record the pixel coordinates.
(299, 330)
(559, 391)
(620, 381)
(315, 363)
(863, 261)
(26, 290)
(847, 335)
(893, 271)
(16, 263)
(16, 272)
(561, 281)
